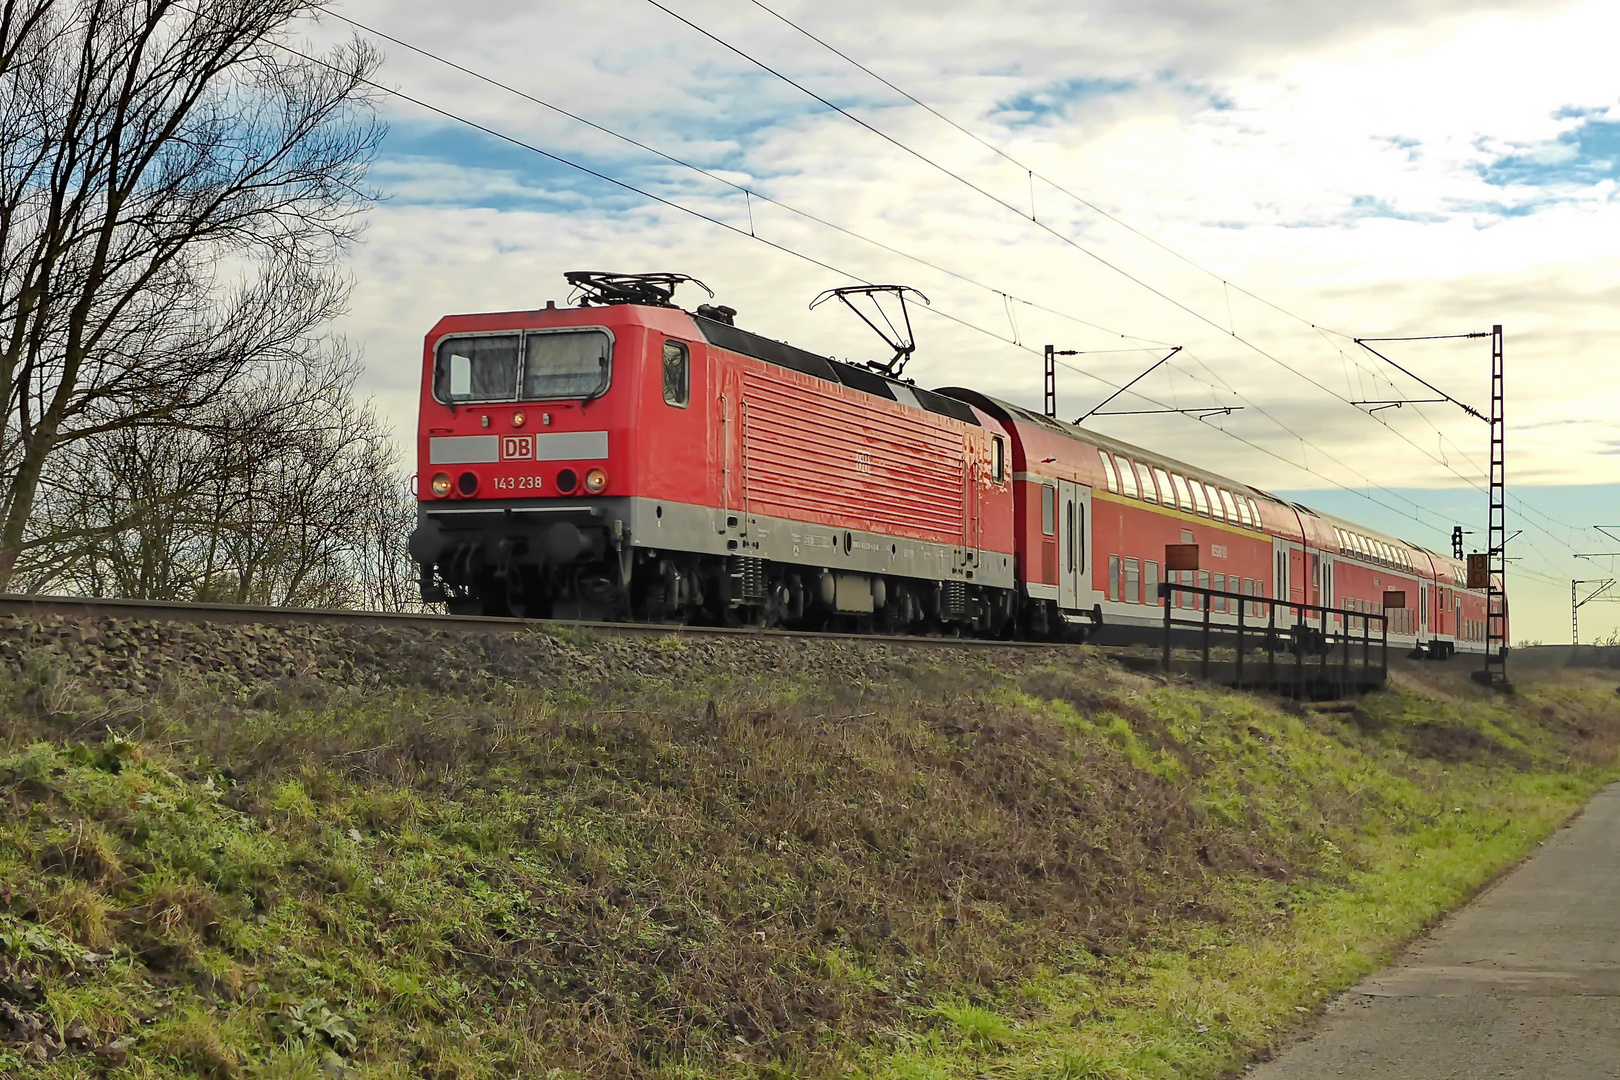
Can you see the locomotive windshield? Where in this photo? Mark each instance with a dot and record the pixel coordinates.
(536, 366)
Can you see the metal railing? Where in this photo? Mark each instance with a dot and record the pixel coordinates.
(1306, 637)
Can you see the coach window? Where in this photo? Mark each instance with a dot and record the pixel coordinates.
(1110, 473)
(677, 374)
(1200, 500)
(1183, 495)
(1048, 509)
(1080, 534)
(1167, 496)
(998, 452)
(1113, 577)
(1127, 478)
(1133, 581)
(1150, 582)
(1146, 476)
(1068, 517)
(1220, 586)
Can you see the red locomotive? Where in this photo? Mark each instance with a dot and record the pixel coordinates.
(626, 459)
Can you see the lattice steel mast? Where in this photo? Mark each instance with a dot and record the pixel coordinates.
(1496, 551)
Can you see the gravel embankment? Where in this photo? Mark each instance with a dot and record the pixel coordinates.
(141, 656)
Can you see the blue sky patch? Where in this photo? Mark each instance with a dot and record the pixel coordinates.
(1584, 155)
(450, 165)
(1370, 206)
(1054, 100)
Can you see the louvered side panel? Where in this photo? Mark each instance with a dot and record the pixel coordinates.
(812, 454)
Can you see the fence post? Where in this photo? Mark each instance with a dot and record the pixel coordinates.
(1345, 651)
(1299, 650)
(1243, 609)
(1271, 645)
(1383, 657)
(1366, 650)
(1166, 595)
(1203, 667)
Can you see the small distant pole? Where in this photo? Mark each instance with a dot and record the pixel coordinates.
(1051, 383)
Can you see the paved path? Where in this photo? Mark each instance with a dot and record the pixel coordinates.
(1524, 982)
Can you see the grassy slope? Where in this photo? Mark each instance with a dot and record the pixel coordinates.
(951, 864)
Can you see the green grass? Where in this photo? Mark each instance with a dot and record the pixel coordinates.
(953, 866)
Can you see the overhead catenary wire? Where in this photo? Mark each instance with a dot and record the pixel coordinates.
(651, 196)
(747, 192)
(1032, 172)
(752, 233)
(1229, 330)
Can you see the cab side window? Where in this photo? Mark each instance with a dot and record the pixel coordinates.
(677, 374)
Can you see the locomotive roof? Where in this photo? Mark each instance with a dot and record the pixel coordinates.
(734, 339)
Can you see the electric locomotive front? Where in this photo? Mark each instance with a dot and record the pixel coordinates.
(628, 459)
(526, 454)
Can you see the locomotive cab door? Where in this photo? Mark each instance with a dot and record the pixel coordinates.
(1074, 542)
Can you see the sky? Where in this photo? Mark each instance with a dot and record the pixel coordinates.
(1256, 182)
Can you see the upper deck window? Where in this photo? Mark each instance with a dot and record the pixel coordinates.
(1109, 473)
(1200, 500)
(1183, 494)
(1146, 476)
(1231, 506)
(1127, 477)
(531, 367)
(1167, 496)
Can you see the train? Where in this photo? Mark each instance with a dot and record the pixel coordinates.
(622, 458)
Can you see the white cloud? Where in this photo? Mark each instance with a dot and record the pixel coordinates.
(1327, 157)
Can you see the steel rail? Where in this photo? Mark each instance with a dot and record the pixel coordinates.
(243, 614)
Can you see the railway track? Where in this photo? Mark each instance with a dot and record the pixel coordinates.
(81, 607)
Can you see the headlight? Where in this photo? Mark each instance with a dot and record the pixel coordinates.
(467, 483)
(518, 419)
(595, 481)
(441, 486)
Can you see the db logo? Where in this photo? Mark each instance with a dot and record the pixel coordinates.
(517, 447)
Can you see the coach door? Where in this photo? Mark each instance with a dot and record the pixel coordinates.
(1074, 543)
(1284, 577)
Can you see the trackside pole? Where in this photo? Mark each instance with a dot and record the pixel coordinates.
(1383, 660)
(1166, 593)
(1203, 668)
(1243, 609)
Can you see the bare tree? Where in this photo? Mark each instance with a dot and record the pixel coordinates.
(286, 490)
(176, 188)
